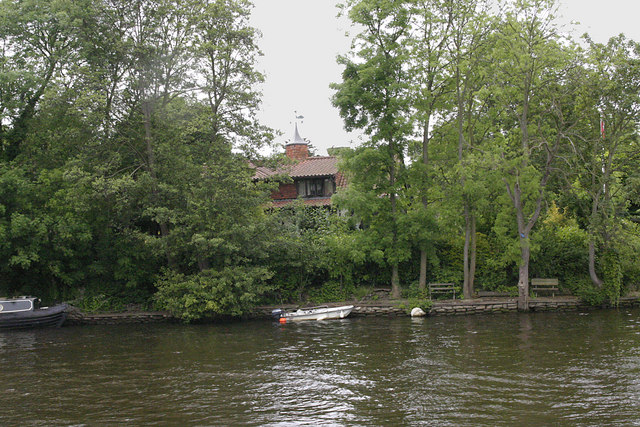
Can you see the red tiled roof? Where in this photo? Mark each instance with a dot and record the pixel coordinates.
(313, 166)
(341, 180)
(262, 172)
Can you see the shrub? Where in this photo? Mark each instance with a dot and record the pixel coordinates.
(416, 297)
(588, 293)
(331, 291)
(612, 275)
(96, 303)
(424, 303)
(563, 247)
(232, 291)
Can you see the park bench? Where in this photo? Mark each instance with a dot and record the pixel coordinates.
(547, 285)
(442, 288)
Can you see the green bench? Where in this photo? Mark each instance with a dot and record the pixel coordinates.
(544, 285)
(442, 288)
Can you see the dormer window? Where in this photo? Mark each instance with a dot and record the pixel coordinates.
(310, 187)
(315, 187)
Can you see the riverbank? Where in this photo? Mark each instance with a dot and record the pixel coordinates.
(470, 307)
(76, 317)
(379, 307)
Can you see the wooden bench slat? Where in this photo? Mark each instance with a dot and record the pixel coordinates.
(441, 288)
(544, 284)
(551, 285)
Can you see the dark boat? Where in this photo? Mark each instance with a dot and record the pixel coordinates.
(24, 313)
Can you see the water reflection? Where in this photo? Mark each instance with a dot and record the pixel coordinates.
(502, 369)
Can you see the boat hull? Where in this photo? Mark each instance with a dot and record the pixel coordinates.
(318, 313)
(39, 318)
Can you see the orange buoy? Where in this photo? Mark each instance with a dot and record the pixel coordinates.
(283, 320)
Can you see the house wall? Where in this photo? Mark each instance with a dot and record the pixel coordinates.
(290, 191)
(285, 191)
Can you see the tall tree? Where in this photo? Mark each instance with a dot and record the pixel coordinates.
(532, 81)
(607, 142)
(226, 50)
(471, 38)
(432, 22)
(37, 42)
(374, 96)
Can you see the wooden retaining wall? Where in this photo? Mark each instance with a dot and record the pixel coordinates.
(76, 317)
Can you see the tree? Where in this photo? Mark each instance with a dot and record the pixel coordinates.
(226, 49)
(532, 87)
(373, 96)
(605, 146)
(471, 42)
(121, 158)
(37, 43)
(428, 43)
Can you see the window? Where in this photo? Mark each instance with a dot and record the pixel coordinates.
(310, 187)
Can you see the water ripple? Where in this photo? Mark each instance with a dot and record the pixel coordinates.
(544, 369)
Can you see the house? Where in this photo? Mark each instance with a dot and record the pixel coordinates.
(314, 178)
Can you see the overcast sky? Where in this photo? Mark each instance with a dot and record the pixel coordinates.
(302, 38)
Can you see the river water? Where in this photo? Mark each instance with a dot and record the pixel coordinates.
(504, 369)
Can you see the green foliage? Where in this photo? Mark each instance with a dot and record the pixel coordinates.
(97, 304)
(414, 291)
(587, 292)
(294, 250)
(232, 291)
(612, 277)
(331, 291)
(561, 247)
(512, 291)
(494, 272)
(416, 298)
(628, 250)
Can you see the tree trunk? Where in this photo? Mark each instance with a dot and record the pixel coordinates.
(20, 128)
(466, 288)
(422, 282)
(467, 284)
(395, 282)
(422, 279)
(469, 256)
(592, 265)
(472, 264)
(592, 246)
(524, 228)
(395, 286)
(523, 275)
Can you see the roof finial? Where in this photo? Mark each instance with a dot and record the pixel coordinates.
(297, 139)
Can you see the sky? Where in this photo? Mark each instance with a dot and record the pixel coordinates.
(301, 40)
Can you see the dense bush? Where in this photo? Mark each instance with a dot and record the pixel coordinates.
(561, 248)
(233, 291)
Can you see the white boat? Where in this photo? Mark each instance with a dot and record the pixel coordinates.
(312, 313)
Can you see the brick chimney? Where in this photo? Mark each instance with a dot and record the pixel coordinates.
(298, 149)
